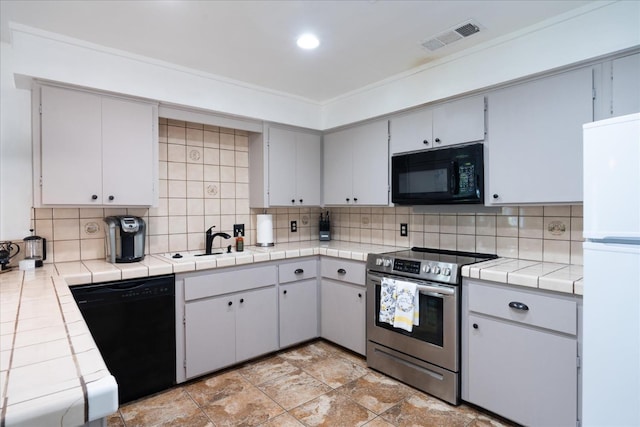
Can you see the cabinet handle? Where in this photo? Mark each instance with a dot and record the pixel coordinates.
(241, 300)
(293, 201)
(355, 199)
(348, 199)
(299, 271)
(342, 271)
(518, 306)
(438, 140)
(111, 197)
(425, 142)
(230, 303)
(475, 326)
(94, 197)
(495, 196)
(300, 200)
(359, 295)
(284, 292)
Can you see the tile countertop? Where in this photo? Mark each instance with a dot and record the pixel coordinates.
(535, 274)
(51, 372)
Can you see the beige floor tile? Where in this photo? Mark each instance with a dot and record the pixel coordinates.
(377, 392)
(422, 410)
(267, 370)
(335, 371)
(284, 420)
(332, 409)
(294, 390)
(173, 407)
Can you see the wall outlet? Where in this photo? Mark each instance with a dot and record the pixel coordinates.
(404, 230)
(238, 230)
(294, 226)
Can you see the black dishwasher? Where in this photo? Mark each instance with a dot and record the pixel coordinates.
(133, 325)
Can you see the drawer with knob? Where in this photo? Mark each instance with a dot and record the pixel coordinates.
(523, 306)
(298, 270)
(343, 270)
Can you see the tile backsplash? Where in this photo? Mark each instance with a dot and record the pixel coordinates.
(204, 181)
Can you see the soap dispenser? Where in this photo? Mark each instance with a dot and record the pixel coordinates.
(239, 243)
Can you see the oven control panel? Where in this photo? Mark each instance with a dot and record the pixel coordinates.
(430, 270)
(406, 266)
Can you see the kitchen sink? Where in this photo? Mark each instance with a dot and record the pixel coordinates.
(193, 256)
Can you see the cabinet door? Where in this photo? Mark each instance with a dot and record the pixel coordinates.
(298, 312)
(458, 122)
(371, 164)
(625, 89)
(535, 140)
(71, 151)
(307, 165)
(282, 167)
(127, 152)
(342, 315)
(256, 323)
(523, 374)
(338, 175)
(210, 335)
(412, 131)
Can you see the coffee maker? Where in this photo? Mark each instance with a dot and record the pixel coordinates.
(35, 248)
(125, 238)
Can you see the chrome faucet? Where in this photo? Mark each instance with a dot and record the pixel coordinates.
(209, 239)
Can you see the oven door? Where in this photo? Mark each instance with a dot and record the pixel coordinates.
(435, 339)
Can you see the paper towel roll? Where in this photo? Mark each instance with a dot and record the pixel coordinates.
(265, 230)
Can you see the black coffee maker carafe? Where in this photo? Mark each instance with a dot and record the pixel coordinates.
(35, 248)
(7, 251)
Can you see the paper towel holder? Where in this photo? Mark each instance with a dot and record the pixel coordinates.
(264, 230)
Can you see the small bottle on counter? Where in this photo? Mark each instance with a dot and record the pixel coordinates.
(239, 243)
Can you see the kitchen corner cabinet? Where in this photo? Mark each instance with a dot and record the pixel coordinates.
(229, 317)
(285, 168)
(535, 139)
(454, 122)
(343, 302)
(522, 364)
(94, 150)
(356, 165)
(298, 301)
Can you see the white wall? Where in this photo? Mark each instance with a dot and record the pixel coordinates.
(15, 152)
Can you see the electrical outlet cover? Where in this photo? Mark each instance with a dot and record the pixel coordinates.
(404, 229)
(294, 226)
(238, 230)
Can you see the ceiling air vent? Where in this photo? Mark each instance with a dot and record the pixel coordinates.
(451, 35)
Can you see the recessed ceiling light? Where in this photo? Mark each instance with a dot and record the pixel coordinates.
(308, 41)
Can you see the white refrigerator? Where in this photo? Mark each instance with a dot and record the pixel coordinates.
(611, 316)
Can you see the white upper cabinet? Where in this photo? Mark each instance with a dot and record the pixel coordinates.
(451, 123)
(535, 139)
(95, 150)
(285, 168)
(625, 85)
(356, 165)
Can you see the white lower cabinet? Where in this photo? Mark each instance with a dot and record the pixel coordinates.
(343, 302)
(520, 353)
(298, 301)
(229, 316)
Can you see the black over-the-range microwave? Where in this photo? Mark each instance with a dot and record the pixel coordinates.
(447, 175)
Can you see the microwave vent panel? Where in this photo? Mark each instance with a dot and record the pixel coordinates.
(452, 35)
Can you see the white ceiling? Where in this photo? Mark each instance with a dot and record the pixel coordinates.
(362, 42)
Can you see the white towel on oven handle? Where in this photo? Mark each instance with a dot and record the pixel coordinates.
(387, 300)
(407, 297)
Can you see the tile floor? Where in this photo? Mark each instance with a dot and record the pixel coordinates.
(315, 384)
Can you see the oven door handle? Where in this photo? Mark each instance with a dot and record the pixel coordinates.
(436, 289)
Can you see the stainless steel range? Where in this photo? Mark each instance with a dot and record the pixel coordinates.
(428, 356)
